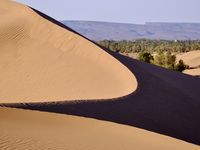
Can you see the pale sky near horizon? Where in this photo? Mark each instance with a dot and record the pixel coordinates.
(124, 11)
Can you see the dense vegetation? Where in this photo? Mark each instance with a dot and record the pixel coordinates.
(164, 59)
(158, 52)
(150, 45)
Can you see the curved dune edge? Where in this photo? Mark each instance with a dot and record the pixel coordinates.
(40, 62)
(23, 129)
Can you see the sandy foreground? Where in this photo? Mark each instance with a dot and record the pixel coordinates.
(40, 61)
(24, 129)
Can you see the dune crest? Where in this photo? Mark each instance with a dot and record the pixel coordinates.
(40, 61)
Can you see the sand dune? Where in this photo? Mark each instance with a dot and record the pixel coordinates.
(40, 61)
(166, 102)
(191, 58)
(23, 129)
(47, 66)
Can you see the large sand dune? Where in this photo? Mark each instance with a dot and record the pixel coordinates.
(165, 102)
(47, 66)
(40, 61)
(23, 129)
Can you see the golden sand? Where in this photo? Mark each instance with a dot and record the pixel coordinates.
(40, 61)
(24, 129)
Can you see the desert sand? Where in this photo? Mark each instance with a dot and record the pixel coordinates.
(45, 66)
(193, 72)
(24, 129)
(193, 60)
(40, 61)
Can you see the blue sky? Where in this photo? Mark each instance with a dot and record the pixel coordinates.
(125, 11)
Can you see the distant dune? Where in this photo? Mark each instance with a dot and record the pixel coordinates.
(193, 60)
(123, 31)
(49, 67)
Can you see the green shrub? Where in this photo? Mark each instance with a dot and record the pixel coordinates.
(181, 66)
(145, 57)
(159, 58)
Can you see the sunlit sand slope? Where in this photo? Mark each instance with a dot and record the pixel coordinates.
(23, 129)
(40, 61)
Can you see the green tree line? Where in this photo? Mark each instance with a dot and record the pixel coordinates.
(158, 52)
(164, 59)
(136, 46)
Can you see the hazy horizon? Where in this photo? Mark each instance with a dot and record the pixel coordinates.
(126, 11)
(129, 22)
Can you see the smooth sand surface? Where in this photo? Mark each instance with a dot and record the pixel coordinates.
(40, 61)
(191, 58)
(24, 129)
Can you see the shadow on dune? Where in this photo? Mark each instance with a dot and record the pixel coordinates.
(165, 102)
